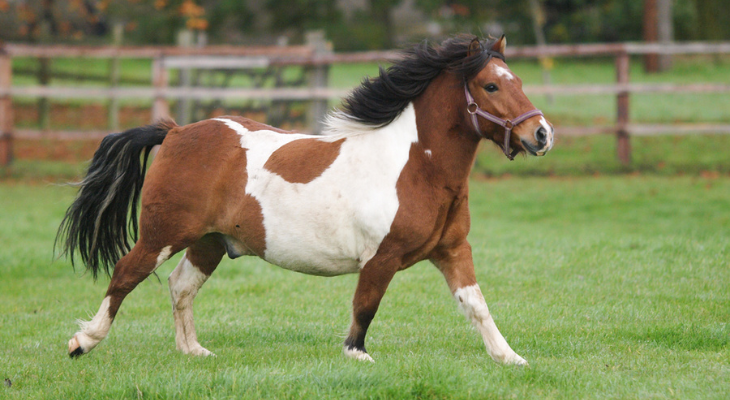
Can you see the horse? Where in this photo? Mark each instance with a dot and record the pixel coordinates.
(385, 186)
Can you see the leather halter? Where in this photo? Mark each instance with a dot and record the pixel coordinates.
(473, 109)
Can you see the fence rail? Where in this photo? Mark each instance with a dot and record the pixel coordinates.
(233, 57)
(330, 93)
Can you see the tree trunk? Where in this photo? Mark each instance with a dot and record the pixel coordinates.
(651, 34)
(665, 31)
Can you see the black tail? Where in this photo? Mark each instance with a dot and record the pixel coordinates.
(100, 221)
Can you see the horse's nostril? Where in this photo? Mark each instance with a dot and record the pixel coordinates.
(541, 135)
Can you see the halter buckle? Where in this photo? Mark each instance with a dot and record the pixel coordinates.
(508, 124)
(468, 108)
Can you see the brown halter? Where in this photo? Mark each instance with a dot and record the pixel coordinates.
(473, 109)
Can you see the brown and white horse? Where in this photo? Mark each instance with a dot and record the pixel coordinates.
(384, 188)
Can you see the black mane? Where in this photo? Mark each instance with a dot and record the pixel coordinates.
(378, 101)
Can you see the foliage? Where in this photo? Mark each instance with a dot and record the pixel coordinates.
(494, 17)
(713, 20)
(370, 25)
(593, 21)
(301, 15)
(617, 20)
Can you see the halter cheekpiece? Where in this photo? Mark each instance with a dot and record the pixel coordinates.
(473, 109)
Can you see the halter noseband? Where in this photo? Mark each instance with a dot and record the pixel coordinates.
(473, 109)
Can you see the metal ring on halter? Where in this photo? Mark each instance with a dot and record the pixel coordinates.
(476, 107)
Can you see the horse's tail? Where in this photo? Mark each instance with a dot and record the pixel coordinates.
(104, 215)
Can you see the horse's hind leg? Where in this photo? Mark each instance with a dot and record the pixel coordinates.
(129, 271)
(198, 263)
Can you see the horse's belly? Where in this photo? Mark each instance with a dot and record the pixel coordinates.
(320, 266)
(322, 231)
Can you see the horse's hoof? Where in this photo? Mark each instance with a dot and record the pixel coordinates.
(518, 361)
(358, 354)
(201, 351)
(74, 348)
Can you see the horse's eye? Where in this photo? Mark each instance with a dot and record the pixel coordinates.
(491, 88)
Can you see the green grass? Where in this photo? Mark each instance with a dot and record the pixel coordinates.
(610, 287)
(42, 171)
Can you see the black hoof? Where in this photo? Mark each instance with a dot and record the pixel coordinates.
(76, 353)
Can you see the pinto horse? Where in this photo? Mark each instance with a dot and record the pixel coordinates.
(384, 188)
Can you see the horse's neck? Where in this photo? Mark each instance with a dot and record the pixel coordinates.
(444, 132)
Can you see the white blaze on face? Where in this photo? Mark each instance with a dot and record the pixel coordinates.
(335, 223)
(502, 72)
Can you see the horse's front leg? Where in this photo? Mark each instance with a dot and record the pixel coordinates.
(457, 265)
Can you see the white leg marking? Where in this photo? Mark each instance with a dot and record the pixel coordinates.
(164, 256)
(94, 331)
(358, 355)
(184, 283)
(472, 304)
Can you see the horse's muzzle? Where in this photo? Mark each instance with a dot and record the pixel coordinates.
(544, 141)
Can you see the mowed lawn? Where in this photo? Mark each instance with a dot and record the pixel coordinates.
(611, 287)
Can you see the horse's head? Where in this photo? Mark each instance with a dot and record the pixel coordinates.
(498, 109)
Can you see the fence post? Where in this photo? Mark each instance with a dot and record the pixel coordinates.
(44, 104)
(160, 107)
(113, 106)
(623, 145)
(318, 79)
(6, 109)
(185, 40)
(651, 33)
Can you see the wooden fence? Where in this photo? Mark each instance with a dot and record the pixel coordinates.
(165, 58)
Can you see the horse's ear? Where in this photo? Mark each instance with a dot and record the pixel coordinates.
(500, 44)
(475, 47)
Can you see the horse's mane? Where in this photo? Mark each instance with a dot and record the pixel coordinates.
(378, 101)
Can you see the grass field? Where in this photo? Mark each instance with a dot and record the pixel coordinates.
(611, 287)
